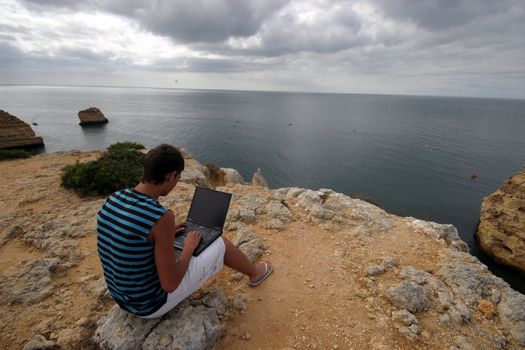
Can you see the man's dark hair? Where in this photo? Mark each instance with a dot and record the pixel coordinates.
(160, 161)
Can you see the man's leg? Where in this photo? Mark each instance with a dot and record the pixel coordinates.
(236, 259)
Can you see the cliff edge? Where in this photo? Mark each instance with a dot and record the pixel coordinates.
(347, 275)
(16, 133)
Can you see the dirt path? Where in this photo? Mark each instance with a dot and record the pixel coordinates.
(318, 296)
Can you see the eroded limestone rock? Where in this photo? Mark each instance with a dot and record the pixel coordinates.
(16, 133)
(39, 342)
(248, 242)
(410, 296)
(91, 116)
(447, 233)
(195, 175)
(232, 177)
(511, 312)
(193, 324)
(258, 179)
(32, 284)
(501, 230)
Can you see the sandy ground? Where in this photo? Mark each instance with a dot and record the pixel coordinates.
(318, 296)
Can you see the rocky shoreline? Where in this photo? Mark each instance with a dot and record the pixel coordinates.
(15, 133)
(347, 275)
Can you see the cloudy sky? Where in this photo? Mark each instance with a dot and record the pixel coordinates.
(421, 47)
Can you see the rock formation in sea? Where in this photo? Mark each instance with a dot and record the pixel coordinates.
(16, 133)
(92, 116)
(501, 230)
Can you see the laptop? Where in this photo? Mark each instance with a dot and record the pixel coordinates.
(207, 215)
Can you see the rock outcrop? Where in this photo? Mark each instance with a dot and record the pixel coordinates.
(92, 116)
(195, 174)
(258, 179)
(501, 230)
(232, 176)
(16, 133)
(193, 324)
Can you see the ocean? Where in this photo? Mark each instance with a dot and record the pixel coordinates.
(411, 154)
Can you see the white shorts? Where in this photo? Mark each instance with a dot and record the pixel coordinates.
(200, 269)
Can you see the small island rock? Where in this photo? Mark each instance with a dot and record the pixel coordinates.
(92, 116)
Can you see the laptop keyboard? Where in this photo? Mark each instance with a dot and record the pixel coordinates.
(207, 234)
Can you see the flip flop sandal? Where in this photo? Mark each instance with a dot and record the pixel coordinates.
(268, 272)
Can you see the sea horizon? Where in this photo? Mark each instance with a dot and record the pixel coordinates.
(262, 91)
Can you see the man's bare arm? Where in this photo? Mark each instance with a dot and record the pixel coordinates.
(170, 271)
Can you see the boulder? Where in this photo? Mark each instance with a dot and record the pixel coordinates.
(232, 176)
(16, 133)
(308, 198)
(195, 175)
(32, 284)
(239, 301)
(91, 116)
(39, 342)
(275, 224)
(373, 269)
(405, 317)
(278, 210)
(248, 242)
(501, 230)
(319, 212)
(409, 296)
(193, 324)
(511, 312)
(446, 232)
(293, 192)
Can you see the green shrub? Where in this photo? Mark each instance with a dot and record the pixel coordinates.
(119, 167)
(125, 146)
(6, 154)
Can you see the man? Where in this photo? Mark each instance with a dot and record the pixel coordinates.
(135, 244)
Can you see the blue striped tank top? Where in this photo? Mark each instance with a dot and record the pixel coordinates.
(128, 258)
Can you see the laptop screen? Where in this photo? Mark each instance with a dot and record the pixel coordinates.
(209, 207)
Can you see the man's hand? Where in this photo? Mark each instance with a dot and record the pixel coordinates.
(180, 228)
(192, 241)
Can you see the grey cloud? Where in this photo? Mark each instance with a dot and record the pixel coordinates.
(331, 33)
(210, 21)
(185, 21)
(42, 5)
(336, 29)
(444, 14)
(208, 24)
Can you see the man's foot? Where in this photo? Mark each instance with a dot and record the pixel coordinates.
(263, 271)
